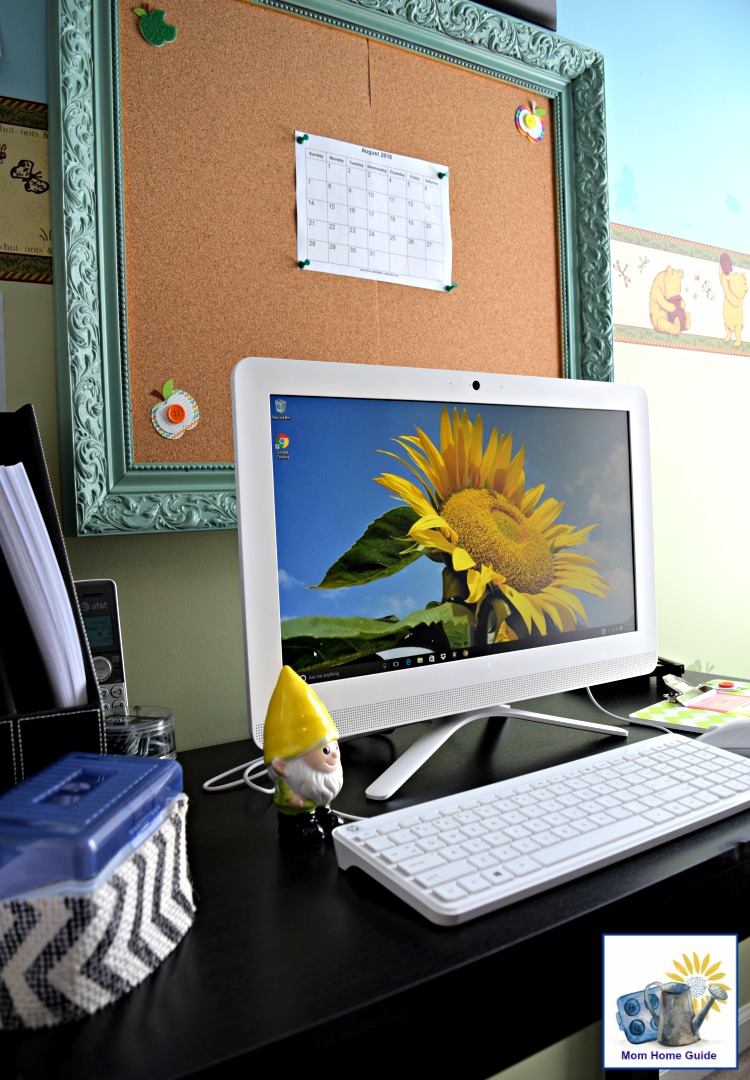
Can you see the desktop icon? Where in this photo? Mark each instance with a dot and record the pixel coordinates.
(280, 405)
(281, 442)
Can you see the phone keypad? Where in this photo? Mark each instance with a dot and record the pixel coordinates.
(114, 698)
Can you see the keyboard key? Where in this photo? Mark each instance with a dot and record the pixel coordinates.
(440, 874)
(483, 860)
(428, 861)
(498, 875)
(475, 845)
(451, 891)
(476, 883)
(525, 847)
(378, 843)
(399, 852)
(517, 867)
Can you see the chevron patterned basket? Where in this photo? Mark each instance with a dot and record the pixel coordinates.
(63, 957)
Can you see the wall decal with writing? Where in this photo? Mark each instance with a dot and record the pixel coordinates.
(25, 234)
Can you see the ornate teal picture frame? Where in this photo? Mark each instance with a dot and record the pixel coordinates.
(105, 491)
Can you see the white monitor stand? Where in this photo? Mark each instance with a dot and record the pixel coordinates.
(441, 729)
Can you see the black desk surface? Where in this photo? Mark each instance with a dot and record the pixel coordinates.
(289, 957)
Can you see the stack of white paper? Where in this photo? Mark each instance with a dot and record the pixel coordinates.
(31, 560)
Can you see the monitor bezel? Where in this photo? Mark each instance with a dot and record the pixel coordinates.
(378, 702)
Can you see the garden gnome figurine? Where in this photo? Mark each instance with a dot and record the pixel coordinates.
(301, 754)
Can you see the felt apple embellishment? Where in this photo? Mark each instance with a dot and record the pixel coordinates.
(529, 122)
(175, 413)
(153, 25)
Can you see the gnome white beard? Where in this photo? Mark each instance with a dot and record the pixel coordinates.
(319, 787)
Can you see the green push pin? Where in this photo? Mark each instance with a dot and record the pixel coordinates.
(442, 175)
(302, 265)
(450, 288)
(302, 138)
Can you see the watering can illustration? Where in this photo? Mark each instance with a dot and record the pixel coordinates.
(677, 1025)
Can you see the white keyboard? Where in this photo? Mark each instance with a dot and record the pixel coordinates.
(464, 855)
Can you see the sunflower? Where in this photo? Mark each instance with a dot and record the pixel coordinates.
(698, 974)
(502, 545)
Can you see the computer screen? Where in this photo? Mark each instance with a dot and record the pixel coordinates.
(423, 543)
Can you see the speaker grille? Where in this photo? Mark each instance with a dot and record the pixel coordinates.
(380, 716)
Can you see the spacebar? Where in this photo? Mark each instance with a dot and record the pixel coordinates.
(579, 845)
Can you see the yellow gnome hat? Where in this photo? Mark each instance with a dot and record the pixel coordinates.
(297, 721)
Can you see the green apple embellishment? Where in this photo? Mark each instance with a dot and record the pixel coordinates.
(153, 26)
(176, 412)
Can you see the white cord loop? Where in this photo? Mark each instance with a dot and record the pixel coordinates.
(249, 781)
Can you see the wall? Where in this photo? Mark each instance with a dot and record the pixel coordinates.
(179, 595)
(678, 151)
(679, 155)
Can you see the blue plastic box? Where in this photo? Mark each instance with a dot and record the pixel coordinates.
(80, 816)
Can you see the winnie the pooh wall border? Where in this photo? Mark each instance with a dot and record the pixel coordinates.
(677, 293)
(734, 285)
(666, 307)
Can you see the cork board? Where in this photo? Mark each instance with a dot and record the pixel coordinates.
(172, 195)
(207, 129)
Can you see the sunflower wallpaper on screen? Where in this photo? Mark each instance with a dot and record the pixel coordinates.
(416, 526)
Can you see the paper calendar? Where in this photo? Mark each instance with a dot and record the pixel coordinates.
(371, 214)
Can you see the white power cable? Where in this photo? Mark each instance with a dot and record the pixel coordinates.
(623, 719)
(250, 781)
(246, 781)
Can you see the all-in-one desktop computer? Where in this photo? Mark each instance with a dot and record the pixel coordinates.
(429, 545)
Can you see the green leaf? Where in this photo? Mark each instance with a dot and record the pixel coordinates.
(322, 641)
(139, 11)
(383, 549)
(168, 388)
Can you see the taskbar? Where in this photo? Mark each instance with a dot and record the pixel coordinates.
(400, 659)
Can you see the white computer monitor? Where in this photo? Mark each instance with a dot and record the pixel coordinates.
(434, 545)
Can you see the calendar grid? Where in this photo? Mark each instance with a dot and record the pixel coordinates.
(367, 213)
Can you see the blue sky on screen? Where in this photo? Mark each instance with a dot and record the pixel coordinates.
(326, 495)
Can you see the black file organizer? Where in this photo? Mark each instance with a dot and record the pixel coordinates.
(33, 731)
